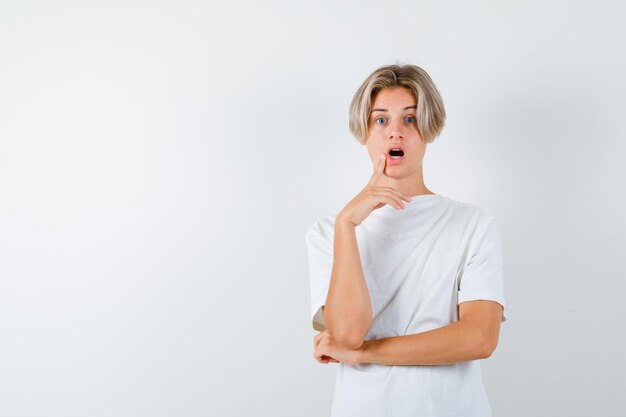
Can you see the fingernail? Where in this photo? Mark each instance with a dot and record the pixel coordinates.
(382, 155)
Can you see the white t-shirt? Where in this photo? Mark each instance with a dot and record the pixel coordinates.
(419, 263)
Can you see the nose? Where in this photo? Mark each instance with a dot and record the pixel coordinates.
(396, 130)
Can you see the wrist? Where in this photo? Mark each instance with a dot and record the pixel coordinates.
(342, 222)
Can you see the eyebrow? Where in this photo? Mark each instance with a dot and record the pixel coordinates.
(406, 108)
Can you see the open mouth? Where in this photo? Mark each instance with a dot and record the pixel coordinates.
(396, 153)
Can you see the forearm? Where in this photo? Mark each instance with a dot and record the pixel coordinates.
(456, 342)
(348, 308)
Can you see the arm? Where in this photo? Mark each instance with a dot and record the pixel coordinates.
(348, 307)
(474, 336)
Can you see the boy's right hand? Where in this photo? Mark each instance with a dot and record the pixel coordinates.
(372, 197)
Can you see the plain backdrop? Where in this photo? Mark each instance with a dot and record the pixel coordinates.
(160, 163)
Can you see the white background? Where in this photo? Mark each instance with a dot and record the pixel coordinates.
(160, 163)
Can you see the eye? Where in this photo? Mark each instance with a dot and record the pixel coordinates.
(410, 119)
(379, 118)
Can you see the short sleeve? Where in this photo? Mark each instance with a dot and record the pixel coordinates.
(482, 277)
(320, 251)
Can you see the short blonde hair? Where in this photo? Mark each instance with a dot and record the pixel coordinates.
(430, 114)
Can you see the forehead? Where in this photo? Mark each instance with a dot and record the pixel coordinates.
(393, 98)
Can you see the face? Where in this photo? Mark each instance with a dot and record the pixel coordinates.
(392, 124)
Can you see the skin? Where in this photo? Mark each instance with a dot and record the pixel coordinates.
(474, 336)
(348, 308)
(397, 125)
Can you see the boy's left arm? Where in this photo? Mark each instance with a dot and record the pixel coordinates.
(474, 336)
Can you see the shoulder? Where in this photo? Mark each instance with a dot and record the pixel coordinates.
(471, 212)
(470, 220)
(480, 226)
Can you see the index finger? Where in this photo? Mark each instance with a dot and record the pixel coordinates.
(382, 161)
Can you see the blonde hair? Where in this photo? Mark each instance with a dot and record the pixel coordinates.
(430, 114)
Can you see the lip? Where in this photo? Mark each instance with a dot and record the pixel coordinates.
(395, 146)
(396, 161)
(392, 161)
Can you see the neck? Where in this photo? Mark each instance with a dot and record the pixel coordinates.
(412, 184)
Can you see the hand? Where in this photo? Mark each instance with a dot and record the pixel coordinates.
(372, 197)
(327, 349)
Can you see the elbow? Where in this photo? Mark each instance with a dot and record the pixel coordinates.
(487, 347)
(351, 335)
(350, 341)
(347, 337)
